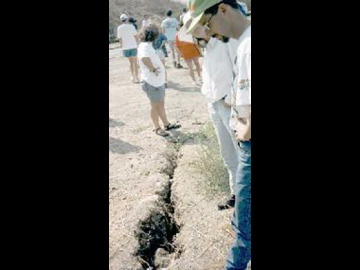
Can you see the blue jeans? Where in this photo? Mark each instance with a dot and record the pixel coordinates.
(240, 251)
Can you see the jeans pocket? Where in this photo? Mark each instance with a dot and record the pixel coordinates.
(245, 148)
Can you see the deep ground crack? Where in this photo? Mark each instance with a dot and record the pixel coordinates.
(156, 233)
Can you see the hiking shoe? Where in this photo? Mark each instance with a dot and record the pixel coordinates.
(229, 203)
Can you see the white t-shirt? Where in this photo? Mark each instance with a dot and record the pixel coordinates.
(170, 25)
(127, 32)
(184, 37)
(241, 90)
(146, 23)
(146, 49)
(217, 71)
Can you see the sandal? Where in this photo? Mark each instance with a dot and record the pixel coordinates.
(172, 126)
(161, 132)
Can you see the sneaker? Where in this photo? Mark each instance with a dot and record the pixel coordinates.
(179, 65)
(229, 203)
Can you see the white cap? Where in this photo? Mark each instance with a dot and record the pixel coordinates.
(123, 17)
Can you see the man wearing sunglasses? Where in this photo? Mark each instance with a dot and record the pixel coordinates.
(225, 20)
(217, 81)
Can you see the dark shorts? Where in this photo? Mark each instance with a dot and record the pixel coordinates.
(130, 53)
(155, 94)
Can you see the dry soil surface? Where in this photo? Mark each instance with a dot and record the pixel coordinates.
(160, 217)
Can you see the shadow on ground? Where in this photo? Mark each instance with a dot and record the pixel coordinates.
(120, 147)
(179, 87)
(114, 123)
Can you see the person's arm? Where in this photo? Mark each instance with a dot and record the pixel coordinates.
(135, 33)
(137, 39)
(119, 38)
(243, 100)
(147, 62)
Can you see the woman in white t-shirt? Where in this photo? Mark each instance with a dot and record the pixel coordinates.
(152, 73)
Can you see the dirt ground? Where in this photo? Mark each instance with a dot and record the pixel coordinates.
(154, 192)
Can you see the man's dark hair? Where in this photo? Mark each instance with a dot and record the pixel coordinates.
(184, 9)
(214, 9)
(149, 33)
(169, 13)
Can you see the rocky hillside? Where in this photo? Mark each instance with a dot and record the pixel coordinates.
(138, 8)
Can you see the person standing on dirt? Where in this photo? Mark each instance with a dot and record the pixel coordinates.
(225, 19)
(188, 49)
(217, 82)
(152, 73)
(169, 27)
(127, 36)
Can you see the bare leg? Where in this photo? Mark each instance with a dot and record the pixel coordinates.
(131, 68)
(178, 54)
(172, 52)
(163, 61)
(191, 70)
(136, 68)
(154, 113)
(162, 113)
(197, 65)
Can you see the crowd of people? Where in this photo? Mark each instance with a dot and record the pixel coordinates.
(222, 30)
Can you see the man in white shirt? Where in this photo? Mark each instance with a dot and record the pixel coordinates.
(169, 27)
(225, 20)
(127, 36)
(217, 82)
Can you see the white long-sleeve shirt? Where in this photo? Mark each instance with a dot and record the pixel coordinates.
(217, 71)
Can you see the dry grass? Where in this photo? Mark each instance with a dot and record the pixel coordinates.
(210, 163)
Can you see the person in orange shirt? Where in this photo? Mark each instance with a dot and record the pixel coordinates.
(188, 49)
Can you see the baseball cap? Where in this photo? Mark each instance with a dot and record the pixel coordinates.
(197, 9)
(123, 17)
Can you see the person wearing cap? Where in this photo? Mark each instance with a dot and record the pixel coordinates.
(188, 49)
(169, 27)
(127, 36)
(217, 82)
(224, 19)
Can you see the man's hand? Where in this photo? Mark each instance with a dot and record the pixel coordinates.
(243, 129)
(243, 134)
(156, 71)
(226, 105)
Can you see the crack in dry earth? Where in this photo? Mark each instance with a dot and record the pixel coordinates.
(156, 233)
